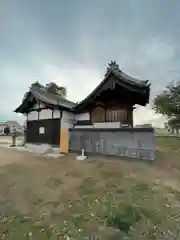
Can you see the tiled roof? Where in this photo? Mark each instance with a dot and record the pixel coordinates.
(126, 78)
(39, 92)
(123, 79)
(113, 67)
(42, 94)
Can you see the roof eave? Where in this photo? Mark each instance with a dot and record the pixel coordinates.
(19, 109)
(146, 85)
(54, 102)
(131, 80)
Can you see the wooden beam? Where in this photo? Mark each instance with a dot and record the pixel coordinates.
(38, 109)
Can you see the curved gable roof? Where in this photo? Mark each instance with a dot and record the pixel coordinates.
(123, 79)
(39, 92)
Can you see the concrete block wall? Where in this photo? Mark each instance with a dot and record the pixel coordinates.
(129, 142)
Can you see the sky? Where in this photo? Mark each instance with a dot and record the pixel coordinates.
(71, 43)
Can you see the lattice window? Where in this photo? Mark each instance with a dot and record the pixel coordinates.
(116, 115)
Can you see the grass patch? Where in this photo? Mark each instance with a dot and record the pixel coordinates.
(141, 187)
(54, 183)
(111, 200)
(169, 143)
(87, 186)
(22, 227)
(124, 219)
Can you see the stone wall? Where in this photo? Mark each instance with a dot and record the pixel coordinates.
(129, 142)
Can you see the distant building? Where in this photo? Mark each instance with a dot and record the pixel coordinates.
(19, 128)
(9, 124)
(2, 127)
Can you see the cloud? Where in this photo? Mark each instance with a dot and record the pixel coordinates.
(78, 80)
(72, 42)
(148, 116)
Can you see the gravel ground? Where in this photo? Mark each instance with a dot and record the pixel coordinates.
(8, 139)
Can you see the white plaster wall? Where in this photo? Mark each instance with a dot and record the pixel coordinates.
(82, 116)
(84, 126)
(57, 113)
(45, 114)
(107, 125)
(32, 116)
(68, 119)
(101, 125)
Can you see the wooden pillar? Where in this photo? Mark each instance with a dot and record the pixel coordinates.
(130, 116)
(38, 109)
(64, 135)
(25, 129)
(52, 125)
(105, 112)
(64, 141)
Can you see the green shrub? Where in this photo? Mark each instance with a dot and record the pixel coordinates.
(124, 219)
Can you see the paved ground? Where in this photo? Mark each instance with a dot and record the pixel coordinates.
(8, 139)
(45, 149)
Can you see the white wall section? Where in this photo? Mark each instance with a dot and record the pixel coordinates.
(82, 116)
(56, 113)
(101, 125)
(107, 125)
(32, 116)
(45, 114)
(68, 119)
(83, 126)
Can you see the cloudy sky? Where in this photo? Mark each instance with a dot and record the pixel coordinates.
(71, 42)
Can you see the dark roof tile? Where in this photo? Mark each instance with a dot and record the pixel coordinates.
(42, 94)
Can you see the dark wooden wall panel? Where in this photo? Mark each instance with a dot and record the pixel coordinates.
(112, 114)
(51, 134)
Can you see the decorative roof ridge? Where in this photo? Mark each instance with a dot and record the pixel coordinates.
(113, 67)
